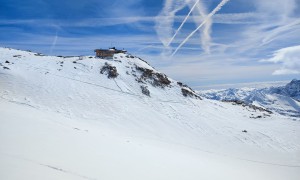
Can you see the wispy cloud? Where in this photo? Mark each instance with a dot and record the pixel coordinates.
(228, 18)
(210, 70)
(289, 58)
(278, 9)
(263, 84)
(284, 29)
(88, 22)
(237, 37)
(77, 45)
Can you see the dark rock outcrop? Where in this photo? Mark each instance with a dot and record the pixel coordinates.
(145, 90)
(109, 70)
(187, 91)
(154, 78)
(241, 103)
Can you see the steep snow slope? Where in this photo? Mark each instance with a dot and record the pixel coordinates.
(62, 119)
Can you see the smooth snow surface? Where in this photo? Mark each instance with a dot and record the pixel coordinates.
(61, 119)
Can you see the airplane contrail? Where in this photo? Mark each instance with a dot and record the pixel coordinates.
(54, 42)
(165, 19)
(219, 6)
(206, 30)
(183, 22)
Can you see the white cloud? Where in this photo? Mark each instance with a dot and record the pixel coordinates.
(289, 58)
(258, 84)
(281, 30)
(228, 18)
(285, 71)
(270, 26)
(88, 22)
(277, 8)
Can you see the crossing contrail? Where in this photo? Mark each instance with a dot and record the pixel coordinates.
(165, 19)
(183, 22)
(219, 6)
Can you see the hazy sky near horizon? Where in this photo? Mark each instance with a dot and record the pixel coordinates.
(238, 41)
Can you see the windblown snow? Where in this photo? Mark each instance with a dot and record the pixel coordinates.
(90, 118)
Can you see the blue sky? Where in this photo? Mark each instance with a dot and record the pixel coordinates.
(240, 42)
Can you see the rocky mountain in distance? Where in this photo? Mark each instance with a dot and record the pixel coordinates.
(284, 100)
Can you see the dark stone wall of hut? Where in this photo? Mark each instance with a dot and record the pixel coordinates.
(105, 53)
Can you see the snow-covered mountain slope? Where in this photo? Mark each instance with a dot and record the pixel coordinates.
(90, 118)
(292, 89)
(284, 99)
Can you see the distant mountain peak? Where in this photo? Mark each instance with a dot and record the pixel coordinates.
(284, 100)
(295, 81)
